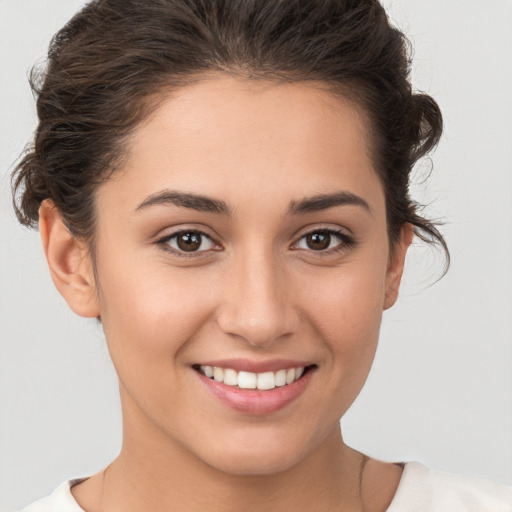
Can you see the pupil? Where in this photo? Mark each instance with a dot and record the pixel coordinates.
(189, 241)
(319, 241)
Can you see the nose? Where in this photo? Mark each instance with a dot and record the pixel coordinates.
(257, 301)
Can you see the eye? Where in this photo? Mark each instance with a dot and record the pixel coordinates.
(188, 241)
(324, 240)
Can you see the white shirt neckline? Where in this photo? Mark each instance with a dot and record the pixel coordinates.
(420, 490)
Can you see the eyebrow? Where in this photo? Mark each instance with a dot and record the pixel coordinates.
(207, 204)
(326, 201)
(186, 200)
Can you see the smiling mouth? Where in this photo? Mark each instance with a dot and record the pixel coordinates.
(248, 380)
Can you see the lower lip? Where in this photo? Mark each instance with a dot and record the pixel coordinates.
(253, 401)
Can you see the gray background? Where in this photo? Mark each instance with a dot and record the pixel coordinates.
(441, 388)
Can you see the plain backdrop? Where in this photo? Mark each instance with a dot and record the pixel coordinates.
(440, 390)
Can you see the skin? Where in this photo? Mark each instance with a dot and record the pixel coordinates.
(257, 291)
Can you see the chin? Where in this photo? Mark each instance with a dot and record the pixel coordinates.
(254, 458)
(255, 466)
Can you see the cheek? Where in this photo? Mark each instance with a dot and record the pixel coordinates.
(149, 309)
(149, 318)
(346, 310)
(348, 302)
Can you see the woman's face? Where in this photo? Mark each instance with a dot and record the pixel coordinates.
(246, 232)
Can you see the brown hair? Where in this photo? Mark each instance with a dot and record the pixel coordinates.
(113, 58)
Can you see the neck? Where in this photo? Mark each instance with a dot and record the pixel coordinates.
(147, 476)
(156, 471)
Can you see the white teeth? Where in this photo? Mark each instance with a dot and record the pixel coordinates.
(290, 375)
(250, 380)
(247, 380)
(218, 374)
(266, 380)
(230, 377)
(281, 378)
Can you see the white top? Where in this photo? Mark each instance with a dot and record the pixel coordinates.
(420, 490)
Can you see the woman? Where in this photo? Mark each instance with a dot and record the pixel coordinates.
(224, 185)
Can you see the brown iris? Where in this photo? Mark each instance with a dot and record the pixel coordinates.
(189, 242)
(318, 241)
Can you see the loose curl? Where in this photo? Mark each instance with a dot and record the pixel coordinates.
(110, 64)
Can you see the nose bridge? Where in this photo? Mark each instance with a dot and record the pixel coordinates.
(257, 304)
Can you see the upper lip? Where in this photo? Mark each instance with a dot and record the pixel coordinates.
(248, 365)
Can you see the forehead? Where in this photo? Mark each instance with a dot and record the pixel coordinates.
(206, 111)
(221, 132)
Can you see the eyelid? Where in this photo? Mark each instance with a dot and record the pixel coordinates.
(162, 242)
(347, 240)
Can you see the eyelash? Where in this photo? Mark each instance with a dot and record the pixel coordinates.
(163, 243)
(347, 242)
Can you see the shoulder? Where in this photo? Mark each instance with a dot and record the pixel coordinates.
(60, 500)
(427, 490)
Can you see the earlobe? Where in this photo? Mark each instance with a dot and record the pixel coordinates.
(396, 265)
(69, 262)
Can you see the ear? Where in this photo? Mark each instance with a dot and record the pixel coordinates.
(396, 265)
(69, 262)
